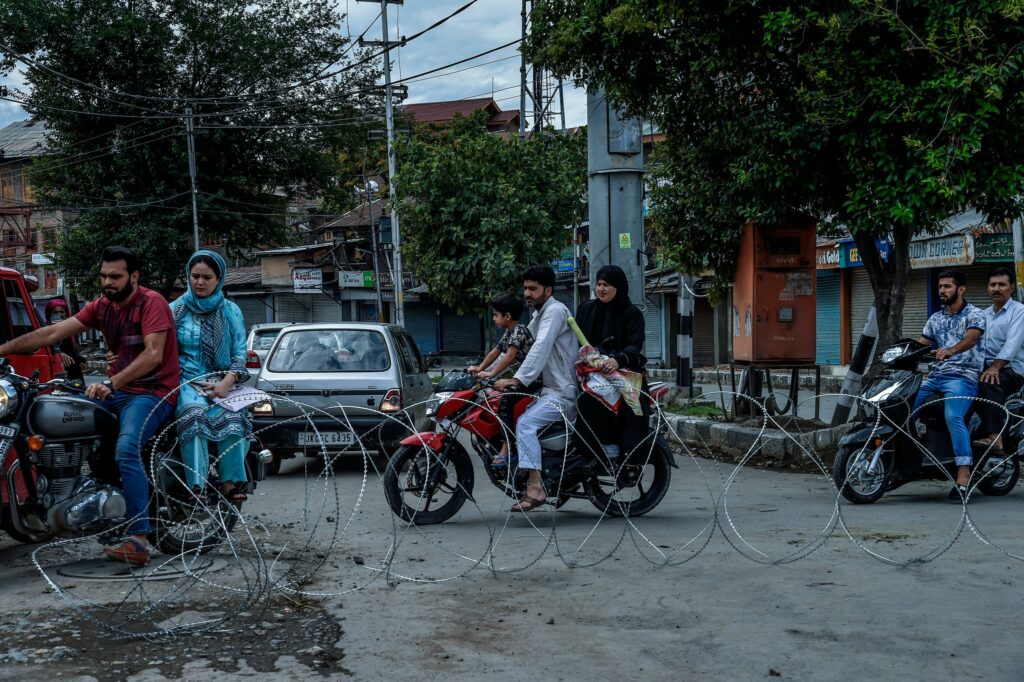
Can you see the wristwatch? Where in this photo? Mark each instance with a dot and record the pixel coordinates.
(110, 386)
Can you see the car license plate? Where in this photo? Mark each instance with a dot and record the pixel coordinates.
(327, 438)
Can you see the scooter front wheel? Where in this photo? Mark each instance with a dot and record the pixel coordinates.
(423, 487)
(860, 479)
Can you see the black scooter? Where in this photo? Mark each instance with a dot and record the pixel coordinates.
(882, 452)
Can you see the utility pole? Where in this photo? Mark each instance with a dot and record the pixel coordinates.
(370, 198)
(1018, 256)
(191, 143)
(522, 82)
(684, 342)
(392, 165)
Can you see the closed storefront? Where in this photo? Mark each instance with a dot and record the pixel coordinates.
(652, 328)
(254, 309)
(703, 333)
(915, 307)
(461, 333)
(862, 297)
(325, 308)
(827, 318)
(293, 308)
(421, 322)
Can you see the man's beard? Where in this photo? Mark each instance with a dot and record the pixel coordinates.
(953, 299)
(120, 295)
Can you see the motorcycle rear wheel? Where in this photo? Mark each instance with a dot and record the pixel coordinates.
(651, 485)
(410, 480)
(1002, 481)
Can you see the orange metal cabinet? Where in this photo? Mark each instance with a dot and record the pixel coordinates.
(774, 294)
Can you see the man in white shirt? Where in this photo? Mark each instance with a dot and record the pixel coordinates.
(552, 358)
(1004, 360)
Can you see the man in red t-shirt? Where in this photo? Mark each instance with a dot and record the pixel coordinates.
(139, 330)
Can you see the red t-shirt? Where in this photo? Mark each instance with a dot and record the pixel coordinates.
(125, 331)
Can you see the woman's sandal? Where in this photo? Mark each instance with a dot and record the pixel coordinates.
(198, 495)
(235, 494)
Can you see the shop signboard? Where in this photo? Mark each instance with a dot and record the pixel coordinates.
(941, 252)
(849, 256)
(993, 248)
(362, 280)
(308, 280)
(828, 256)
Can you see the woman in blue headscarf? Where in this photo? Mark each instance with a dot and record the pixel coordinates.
(211, 341)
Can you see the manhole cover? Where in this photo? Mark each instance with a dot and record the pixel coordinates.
(159, 568)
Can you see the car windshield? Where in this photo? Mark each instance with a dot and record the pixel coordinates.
(263, 340)
(326, 350)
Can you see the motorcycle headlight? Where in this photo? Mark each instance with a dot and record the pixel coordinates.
(436, 400)
(8, 398)
(891, 354)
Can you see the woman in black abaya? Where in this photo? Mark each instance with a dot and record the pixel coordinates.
(614, 326)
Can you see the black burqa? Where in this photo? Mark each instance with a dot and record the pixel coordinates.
(616, 329)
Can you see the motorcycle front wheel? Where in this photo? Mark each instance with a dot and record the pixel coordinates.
(854, 477)
(638, 486)
(423, 488)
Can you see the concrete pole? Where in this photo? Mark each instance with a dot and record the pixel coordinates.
(684, 342)
(392, 168)
(858, 366)
(191, 145)
(615, 168)
(522, 81)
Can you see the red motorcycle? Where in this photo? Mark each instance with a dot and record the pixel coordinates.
(430, 476)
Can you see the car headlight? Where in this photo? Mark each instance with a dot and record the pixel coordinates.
(8, 398)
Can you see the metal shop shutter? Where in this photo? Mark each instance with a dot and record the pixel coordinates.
(292, 308)
(827, 318)
(421, 323)
(254, 311)
(703, 333)
(325, 308)
(652, 327)
(861, 299)
(460, 333)
(977, 283)
(915, 305)
(564, 295)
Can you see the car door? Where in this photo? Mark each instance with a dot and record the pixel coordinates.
(417, 380)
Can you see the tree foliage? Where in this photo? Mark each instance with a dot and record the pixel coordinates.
(877, 117)
(477, 208)
(112, 80)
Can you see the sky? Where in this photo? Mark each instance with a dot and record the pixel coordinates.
(485, 25)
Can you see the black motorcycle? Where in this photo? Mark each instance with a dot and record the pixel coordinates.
(884, 450)
(60, 479)
(430, 476)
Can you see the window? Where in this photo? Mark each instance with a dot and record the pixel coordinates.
(264, 339)
(17, 312)
(328, 236)
(414, 351)
(331, 350)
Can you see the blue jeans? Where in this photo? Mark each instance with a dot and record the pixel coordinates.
(140, 414)
(952, 386)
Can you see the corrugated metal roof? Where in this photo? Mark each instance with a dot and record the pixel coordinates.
(23, 138)
(247, 275)
(442, 112)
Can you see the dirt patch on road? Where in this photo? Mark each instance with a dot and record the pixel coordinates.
(51, 644)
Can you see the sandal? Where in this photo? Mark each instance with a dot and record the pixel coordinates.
(198, 495)
(527, 503)
(235, 494)
(502, 461)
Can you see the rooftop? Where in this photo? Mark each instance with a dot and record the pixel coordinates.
(23, 138)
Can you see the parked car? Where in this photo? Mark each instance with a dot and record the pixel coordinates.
(370, 376)
(18, 316)
(261, 338)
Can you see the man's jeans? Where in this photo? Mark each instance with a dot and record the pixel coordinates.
(140, 414)
(958, 390)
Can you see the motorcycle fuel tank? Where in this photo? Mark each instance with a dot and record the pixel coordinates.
(57, 417)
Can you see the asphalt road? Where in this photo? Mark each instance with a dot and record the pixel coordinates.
(682, 594)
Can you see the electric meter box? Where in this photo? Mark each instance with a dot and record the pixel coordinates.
(773, 296)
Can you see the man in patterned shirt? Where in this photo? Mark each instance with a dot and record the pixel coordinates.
(956, 330)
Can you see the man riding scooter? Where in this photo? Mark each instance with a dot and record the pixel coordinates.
(956, 329)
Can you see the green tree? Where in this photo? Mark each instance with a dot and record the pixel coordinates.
(477, 208)
(878, 117)
(112, 80)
